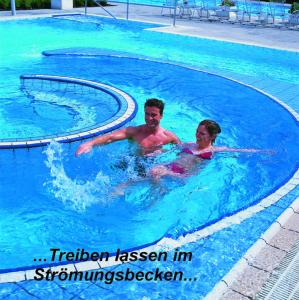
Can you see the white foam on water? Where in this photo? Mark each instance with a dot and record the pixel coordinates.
(76, 193)
(83, 115)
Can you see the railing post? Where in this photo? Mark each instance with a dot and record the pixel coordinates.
(85, 10)
(99, 4)
(13, 7)
(62, 4)
(127, 15)
(174, 13)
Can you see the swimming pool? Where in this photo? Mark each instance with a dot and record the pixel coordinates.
(72, 193)
(62, 108)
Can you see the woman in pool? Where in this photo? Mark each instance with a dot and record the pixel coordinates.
(192, 153)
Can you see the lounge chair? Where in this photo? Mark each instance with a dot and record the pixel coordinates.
(293, 20)
(187, 8)
(199, 8)
(169, 5)
(242, 11)
(253, 10)
(277, 10)
(210, 7)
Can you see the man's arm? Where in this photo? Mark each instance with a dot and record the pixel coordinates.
(174, 138)
(118, 135)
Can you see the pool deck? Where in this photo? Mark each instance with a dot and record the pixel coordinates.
(266, 256)
(246, 34)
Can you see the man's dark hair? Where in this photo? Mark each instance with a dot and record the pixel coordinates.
(153, 102)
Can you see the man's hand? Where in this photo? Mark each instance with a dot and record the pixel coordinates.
(84, 148)
(106, 139)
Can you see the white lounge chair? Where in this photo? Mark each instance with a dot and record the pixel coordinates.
(293, 20)
(210, 7)
(186, 8)
(169, 5)
(253, 10)
(277, 11)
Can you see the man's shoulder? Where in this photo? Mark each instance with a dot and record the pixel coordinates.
(172, 136)
(133, 130)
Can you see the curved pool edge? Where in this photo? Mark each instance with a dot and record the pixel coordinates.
(167, 243)
(163, 244)
(98, 52)
(255, 252)
(119, 119)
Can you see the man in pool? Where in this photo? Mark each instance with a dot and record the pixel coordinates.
(149, 136)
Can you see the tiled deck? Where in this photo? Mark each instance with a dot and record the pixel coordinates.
(262, 260)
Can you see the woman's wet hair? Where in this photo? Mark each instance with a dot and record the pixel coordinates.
(212, 127)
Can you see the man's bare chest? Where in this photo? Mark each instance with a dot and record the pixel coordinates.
(151, 140)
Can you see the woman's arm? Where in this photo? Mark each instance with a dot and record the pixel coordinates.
(227, 149)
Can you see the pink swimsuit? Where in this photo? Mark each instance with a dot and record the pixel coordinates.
(205, 155)
(176, 168)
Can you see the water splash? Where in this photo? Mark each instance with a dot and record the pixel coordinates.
(82, 115)
(76, 193)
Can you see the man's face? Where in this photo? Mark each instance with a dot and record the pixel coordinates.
(152, 116)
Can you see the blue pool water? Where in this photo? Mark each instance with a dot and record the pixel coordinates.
(42, 190)
(27, 39)
(48, 108)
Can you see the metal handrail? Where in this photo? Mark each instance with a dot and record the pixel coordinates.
(13, 7)
(174, 13)
(97, 2)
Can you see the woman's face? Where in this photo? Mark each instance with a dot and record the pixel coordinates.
(202, 136)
